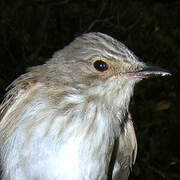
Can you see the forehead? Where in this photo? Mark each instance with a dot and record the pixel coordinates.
(101, 45)
(90, 46)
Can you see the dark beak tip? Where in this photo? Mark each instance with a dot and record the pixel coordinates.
(155, 71)
(150, 71)
(167, 74)
(162, 73)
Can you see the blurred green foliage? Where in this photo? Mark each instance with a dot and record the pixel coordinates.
(30, 31)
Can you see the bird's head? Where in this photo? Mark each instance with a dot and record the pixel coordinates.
(99, 64)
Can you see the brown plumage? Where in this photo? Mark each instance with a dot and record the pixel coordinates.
(68, 119)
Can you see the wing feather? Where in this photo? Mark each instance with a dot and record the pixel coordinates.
(124, 153)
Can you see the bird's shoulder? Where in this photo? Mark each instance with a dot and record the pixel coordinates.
(19, 88)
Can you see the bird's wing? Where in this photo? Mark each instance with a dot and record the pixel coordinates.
(9, 99)
(18, 88)
(124, 153)
(19, 93)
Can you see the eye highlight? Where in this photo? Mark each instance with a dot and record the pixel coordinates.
(100, 65)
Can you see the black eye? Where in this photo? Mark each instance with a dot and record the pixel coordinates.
(100, 65)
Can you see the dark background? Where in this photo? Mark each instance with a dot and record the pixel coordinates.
(31, 30)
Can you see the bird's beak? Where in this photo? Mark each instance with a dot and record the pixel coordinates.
(150, 71)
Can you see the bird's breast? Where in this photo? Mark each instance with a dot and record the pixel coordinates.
(54, 142)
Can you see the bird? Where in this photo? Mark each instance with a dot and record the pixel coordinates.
(69, 119)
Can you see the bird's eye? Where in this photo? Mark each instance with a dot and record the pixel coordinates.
(100, 65)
